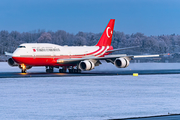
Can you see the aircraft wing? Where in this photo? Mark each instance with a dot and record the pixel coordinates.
(119, 49)
(107, 57)
(8, 54)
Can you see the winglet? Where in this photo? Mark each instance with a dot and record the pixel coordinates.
(106, 37)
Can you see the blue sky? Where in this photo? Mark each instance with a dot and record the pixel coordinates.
(151, 17)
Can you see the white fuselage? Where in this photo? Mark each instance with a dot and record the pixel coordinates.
(37, 54)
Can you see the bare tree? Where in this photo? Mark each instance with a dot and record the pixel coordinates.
(45, 38)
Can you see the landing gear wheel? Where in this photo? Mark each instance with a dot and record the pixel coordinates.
(23, 71)
(74, 70)
(70, 70)
(79, 70)
(50, 70)
(62, 71)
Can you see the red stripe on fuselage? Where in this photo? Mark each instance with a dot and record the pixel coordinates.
(101, 51)
(95, 51)
(110, 48)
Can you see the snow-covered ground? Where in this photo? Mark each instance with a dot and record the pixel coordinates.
(138, 66)
(95, 97)
(92, 97)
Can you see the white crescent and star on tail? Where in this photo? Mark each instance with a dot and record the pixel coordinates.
(107, 32)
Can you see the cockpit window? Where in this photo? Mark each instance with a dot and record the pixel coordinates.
(21, 47)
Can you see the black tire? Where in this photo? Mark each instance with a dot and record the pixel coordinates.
(62, 71)
(70, 70)
(79, 71)
(47, 70)
(51, 70)
(23, 71)
(74, 70)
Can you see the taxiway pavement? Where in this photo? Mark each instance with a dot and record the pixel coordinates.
(88, 73)
(160, 117)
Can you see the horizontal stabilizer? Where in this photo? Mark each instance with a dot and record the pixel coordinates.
(144, 56)
(9, 54)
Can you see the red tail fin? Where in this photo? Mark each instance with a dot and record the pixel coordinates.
(106, 37)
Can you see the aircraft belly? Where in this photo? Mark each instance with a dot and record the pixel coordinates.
(39, 61)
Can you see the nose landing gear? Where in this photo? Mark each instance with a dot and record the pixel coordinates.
(23, 68)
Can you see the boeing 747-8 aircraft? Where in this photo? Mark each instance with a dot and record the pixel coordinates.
(73, 58)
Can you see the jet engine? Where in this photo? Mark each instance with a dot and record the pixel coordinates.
(86, 65)
(121, 62)
(11, 62)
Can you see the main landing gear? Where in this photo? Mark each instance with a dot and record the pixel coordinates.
(71, 69)
(49, 69)
(62, 70)
(74, 70)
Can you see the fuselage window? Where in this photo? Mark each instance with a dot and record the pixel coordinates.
(21, 47)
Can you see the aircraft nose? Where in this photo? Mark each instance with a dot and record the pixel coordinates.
(16, 53)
